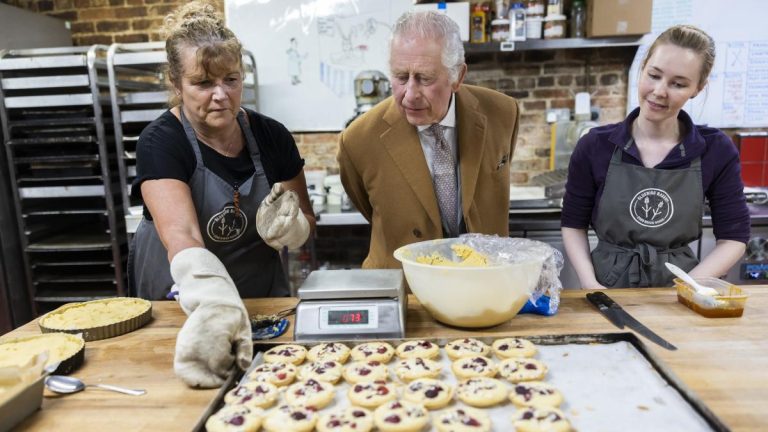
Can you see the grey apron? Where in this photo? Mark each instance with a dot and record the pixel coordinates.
(646, 217)
(253, 265)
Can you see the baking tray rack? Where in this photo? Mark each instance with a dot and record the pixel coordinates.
(139, 95)
(696, 409)
(58, 136)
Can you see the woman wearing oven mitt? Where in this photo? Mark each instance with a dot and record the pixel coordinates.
(223, 190)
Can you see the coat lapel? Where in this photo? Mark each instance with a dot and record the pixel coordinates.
(471, 137)
(402, 142)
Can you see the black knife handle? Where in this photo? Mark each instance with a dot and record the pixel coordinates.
(600, 299)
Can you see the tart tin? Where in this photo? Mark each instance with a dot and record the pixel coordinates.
(67, 365)
(106, 331)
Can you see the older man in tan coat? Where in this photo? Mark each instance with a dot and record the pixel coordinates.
(431, 161)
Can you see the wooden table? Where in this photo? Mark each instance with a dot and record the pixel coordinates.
(724, 361)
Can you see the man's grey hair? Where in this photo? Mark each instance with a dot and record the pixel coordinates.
(434, 25)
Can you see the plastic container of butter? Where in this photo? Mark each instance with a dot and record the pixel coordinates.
(729, 304)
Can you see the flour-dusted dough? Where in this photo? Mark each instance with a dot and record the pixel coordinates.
(329, 351)
(522, 369)
(310, 393)
(372, 393)
(350, 419)
(370, 370)
(321, 370)
(290, 418)
(461, 419)
(379, 351)
(513, 347)
(278, 373)
(431, 393)
(474, 366)
(400, 416)
(482, 391)
(536, 394)
(533, 419)
(289, 353)
(418, 348)
(253, 394)
(235, 418)
(466, 347)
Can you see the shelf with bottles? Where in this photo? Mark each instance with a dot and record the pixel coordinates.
(564, 43)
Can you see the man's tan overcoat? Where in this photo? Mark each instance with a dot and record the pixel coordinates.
(385, 173)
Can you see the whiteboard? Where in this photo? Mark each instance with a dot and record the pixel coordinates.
(308, 53)
(737, 94)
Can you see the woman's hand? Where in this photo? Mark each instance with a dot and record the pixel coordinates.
(217, 335)
(280, 221)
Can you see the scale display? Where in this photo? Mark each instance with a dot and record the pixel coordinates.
(349, 316)
(344, 317)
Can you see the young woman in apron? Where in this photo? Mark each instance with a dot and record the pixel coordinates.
(642, 183)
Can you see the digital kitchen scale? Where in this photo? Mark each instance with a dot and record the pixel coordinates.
(351, 304)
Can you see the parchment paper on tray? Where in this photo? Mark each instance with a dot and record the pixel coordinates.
(607, 382)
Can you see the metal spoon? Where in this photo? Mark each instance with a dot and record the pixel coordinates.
(700, 289)
(68, 384)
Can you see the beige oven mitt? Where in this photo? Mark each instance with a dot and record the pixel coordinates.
(217, 333)
(279, 219)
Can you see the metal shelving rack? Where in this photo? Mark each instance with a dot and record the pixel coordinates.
(567, 43)
(58, 135)
(138, 91)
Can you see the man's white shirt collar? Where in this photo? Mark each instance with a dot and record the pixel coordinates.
(450, 117)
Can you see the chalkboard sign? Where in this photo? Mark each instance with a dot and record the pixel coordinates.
(737, 94)
(308, 53)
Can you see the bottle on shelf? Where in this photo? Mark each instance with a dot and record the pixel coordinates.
(517, 22)
(578, 19)
(477, 25)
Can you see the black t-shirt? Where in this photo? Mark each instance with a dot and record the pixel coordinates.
(163, 152)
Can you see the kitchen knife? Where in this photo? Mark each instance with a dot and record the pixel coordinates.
(619, 317)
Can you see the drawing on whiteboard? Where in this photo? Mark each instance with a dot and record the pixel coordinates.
(345, 41)
(294, 61)
(309, 84)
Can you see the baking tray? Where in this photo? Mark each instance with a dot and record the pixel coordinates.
(635, 392)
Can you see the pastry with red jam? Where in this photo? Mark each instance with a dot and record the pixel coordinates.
(400, 416)
(231, 418)
(371, 394)
(350, 419)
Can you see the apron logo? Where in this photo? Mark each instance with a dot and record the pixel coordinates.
(227, 225)
(651, 207)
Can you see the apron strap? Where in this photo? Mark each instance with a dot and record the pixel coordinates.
(191, 137)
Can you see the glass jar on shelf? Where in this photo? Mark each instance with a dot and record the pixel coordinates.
(578, 19)
(554, 26)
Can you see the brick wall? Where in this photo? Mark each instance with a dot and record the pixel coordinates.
(107, 21)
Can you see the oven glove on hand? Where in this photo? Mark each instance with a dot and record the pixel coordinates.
(280, 221)
(217, 333)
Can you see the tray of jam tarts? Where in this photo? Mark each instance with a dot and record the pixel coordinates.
(537, 383)
(98, 319)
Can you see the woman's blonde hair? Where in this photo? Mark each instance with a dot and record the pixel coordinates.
(692, 38)
(198, 24)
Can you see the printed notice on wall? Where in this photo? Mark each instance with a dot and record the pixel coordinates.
(737, 94)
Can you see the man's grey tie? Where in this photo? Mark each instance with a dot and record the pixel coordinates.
(444, 180)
